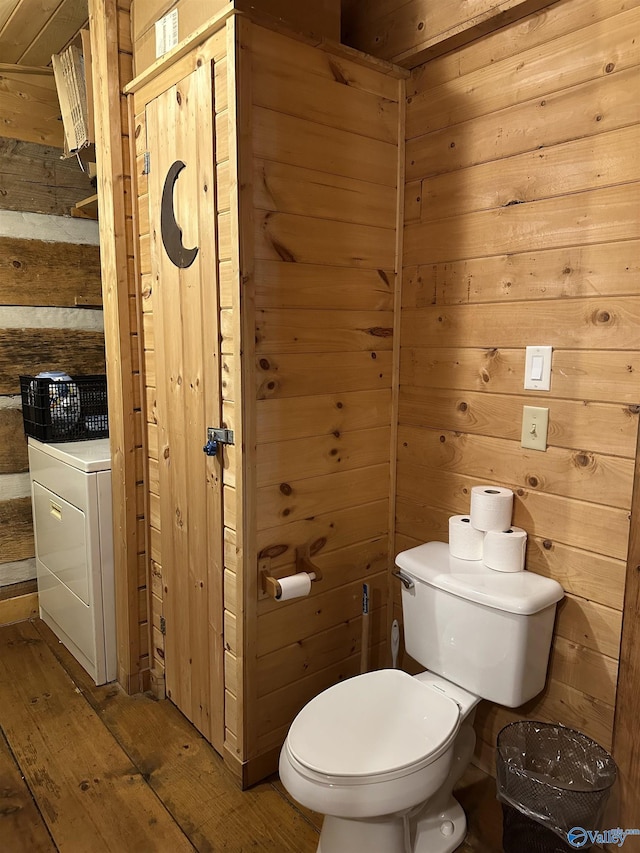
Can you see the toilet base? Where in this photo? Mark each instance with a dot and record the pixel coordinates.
(440, 832)
(431, 832)
(373, 835)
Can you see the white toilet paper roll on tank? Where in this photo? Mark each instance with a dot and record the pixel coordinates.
(491, 508)
(465, 542)
(504, 551)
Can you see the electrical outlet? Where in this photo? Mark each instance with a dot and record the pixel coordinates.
(535, 425)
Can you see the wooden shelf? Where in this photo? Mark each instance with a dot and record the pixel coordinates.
(87, 208)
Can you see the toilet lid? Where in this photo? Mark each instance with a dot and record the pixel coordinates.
(373, 724)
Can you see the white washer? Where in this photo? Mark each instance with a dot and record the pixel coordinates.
(72, 519)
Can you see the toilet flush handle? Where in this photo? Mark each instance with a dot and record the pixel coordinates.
(407, 583)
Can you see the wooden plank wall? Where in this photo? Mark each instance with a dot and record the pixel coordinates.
(324, 175)
(49, 264)
(522, 228)
(321, 18)
(215, 49)
(40, 121)
(34, 178)
(112, 63)
(410, 32)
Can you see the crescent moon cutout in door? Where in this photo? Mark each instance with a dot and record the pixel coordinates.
(169, 228)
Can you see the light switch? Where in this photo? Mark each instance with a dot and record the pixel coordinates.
(537, 365)
(535, 425)
(537, 368)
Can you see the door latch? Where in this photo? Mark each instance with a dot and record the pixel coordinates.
(215, 437)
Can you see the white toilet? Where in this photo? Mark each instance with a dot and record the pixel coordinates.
(379, 754)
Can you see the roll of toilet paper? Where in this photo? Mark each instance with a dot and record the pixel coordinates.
(465, 542)
(491, 508)
(504, 549)
(294, 586)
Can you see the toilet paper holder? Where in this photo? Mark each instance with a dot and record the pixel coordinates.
(269, 585)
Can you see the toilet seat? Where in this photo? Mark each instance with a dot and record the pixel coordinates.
(372, 728)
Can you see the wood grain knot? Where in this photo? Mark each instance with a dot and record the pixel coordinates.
(533, 482)
(547, 544)
(485, 376)
(385, 278)
(339, 405)
(16, 264)
(318, 545)
(273, 551)
(582, 460)
(634, 409)
(286, 489)
(283, 253)
(179, 98)
(264, 364)
(609, 67)
(462, 407)
(338, 73)
(442, 439)
(380, 332)
(602, 317)
(520, 492)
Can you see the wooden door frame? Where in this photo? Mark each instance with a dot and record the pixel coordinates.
(109, 76)
(626, 746)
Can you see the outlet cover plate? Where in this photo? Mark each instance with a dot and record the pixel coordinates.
(535, 425)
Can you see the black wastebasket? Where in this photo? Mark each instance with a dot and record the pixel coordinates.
(551, 779)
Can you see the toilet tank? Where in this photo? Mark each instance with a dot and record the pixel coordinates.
(487, 631)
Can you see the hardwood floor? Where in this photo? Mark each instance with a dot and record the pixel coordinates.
(86, 769)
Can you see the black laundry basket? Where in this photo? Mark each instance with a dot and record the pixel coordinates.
(73, 410)
(551, 779)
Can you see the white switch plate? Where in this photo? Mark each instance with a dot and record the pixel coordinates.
(533, 367)
(535, 425)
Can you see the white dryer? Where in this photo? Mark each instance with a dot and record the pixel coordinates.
(72, 519)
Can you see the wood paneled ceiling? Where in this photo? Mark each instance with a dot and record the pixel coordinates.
(32, 30)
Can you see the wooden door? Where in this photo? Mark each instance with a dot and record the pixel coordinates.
(185, 296)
